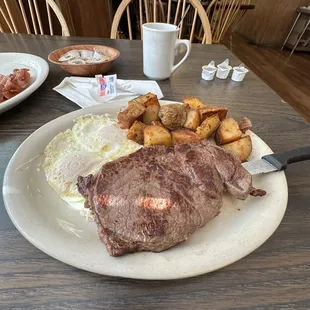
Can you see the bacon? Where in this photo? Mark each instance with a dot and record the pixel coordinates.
(21, 77)
(11, 89)
(13, 84)
(3, 79)
(245, 124)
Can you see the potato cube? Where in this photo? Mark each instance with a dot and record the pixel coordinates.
(150, 114)
(228, 131)
(192, 119)
(182, 136)
(136, 132)
(242, 148)
(208, 126)
(156, 135)
(193, 102)
(210, 110)
(127, 117)
(145, 100)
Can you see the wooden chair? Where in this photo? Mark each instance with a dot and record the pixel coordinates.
(161, 11)
(223, 14)
(18, 16)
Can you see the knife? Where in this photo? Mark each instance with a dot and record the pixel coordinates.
(278, 161)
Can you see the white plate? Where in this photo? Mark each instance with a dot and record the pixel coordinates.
(38, 72)
(61, 232)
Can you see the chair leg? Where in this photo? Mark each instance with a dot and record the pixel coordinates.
(296, 20)
(301, 35)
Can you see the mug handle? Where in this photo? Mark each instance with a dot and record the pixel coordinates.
(187, 43)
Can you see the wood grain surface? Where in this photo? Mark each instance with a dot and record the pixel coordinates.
(275, 276)
(270, 21)
(88, 18)
(287, 76)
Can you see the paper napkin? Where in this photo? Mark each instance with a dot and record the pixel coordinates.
(84, 91)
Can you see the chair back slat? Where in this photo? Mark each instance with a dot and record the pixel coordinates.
(49, 17)
(193, 26)
(129, 22)
(38, 16)
(141, 17)
(155, 11)
(169, 12)
(182, 14)
(147, 15)
(27, 16)
(22, 8)
(10, 15)
(33, 17)
(6, 19)
(177, 12)
(162, 11)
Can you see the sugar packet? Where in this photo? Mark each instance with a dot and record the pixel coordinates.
(106, 84)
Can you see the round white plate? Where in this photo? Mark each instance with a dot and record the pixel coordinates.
(38, 72)
(61, 232)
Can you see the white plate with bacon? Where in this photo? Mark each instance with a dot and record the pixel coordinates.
(20, 75)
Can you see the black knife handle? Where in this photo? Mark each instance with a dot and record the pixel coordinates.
(281, 160)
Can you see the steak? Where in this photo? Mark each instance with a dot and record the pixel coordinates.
(157, 197)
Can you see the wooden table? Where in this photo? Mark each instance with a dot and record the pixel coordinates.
(276, 276)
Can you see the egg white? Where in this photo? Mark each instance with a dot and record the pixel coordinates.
(93, 141)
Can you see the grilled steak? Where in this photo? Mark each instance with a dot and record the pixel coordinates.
(157, 197)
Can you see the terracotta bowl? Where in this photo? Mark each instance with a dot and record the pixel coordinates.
(85, 69)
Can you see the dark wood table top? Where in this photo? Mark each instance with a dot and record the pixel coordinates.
(275, 276)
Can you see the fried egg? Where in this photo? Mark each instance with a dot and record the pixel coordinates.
(93, 141)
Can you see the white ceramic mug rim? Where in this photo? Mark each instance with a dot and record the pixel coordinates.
(146, 26)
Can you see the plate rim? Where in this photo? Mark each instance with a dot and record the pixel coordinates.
(63, 259)
(40, 79)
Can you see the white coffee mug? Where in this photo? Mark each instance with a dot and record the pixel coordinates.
(159, 44)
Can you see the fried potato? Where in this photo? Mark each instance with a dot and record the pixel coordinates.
(228, 131)
(145, 100)
(132, 113)
(208, 126)
(192, 119)
(156, 135)
(242, 148)
(159, 123)
(173, 116)
(211, 110)
(150, 114)
(193, 103)
(182, 136)
(136, 132)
